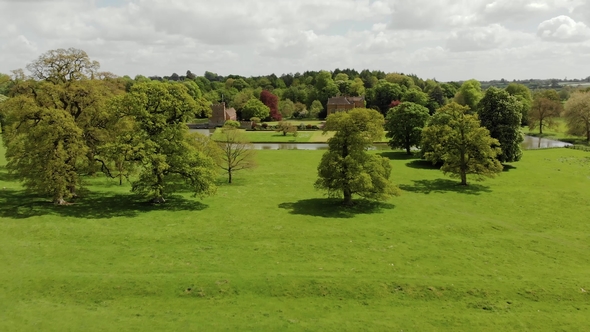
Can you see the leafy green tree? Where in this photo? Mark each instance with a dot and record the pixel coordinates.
(577, 114)
(255, 108)
(286, 127)
(45, 148)
(241, 98)
(162, 144)
(469, 94)
(522, 93)
(346, 169)
(545, 109)
(500, 113)
(287, 108)
(464, 146)
(316, 108)
(237, 153)
(357, 87)
(383, 94)
(416, 96)
(67, 100)
(404, 125)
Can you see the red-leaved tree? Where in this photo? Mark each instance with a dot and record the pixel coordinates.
(272, 101)
(394, 103)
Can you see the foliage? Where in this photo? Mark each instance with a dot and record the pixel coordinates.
(416, 96)
(232, 124)
(53, 128)
(544, 111)
(461, 143)
(287, 108)
(346, 168)
(286, 127)
(272, 101)
(522, 93)
(237, 153)
(315, 109)
(254, 108)
(61, 66)
(383, 94)
(404, 125)
(577, 114)
(501, 114)
(469, 94)
(162, 145)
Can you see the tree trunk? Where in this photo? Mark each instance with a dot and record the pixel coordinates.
(463, 178)
(347, 197)
(408, 151)
(541, 127)
(59, 200)
(229, 176)
(158, 200)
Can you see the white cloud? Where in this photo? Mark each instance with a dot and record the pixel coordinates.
(478, 39)
(446, 39)
(563, 29)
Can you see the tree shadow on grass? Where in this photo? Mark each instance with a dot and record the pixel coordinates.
(397, 155)
(507, 168)
(22, 205)
(422, 164)
(333, 208)
(444, 186)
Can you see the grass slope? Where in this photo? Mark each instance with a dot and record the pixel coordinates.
(270, 253)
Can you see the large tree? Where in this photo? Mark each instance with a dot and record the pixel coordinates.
(501, 114)
(254, 108)
(522, 93)
(59, 115)
(545, 108)
(163, 147)
(347, 169)
(469, 94)
(404, 125)
(463, 145)
(577, 114)
(272, 102)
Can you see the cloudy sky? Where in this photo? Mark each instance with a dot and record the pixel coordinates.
(442, 39)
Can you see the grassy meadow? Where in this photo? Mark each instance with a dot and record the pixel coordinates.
(270, 253)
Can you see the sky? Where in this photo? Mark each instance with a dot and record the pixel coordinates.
(448, 40)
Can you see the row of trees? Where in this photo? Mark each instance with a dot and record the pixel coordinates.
(68, 121)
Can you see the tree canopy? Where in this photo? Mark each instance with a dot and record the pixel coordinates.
(463, 145)
(404, 125)
(577, 114)
(161, 141)
(501, 114)
(346, 169)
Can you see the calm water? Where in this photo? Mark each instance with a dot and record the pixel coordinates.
(529, 142)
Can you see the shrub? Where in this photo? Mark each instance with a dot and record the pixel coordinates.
(264, 125)
(231, 123)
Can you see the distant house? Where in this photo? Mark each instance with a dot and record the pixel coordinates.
(220, 114)
(344, 103)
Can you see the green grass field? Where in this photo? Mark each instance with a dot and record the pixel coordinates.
(270, 253)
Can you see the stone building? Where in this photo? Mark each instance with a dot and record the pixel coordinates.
(220, 114)
(344, 103)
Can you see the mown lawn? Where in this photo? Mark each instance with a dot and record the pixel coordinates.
(270, 253)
